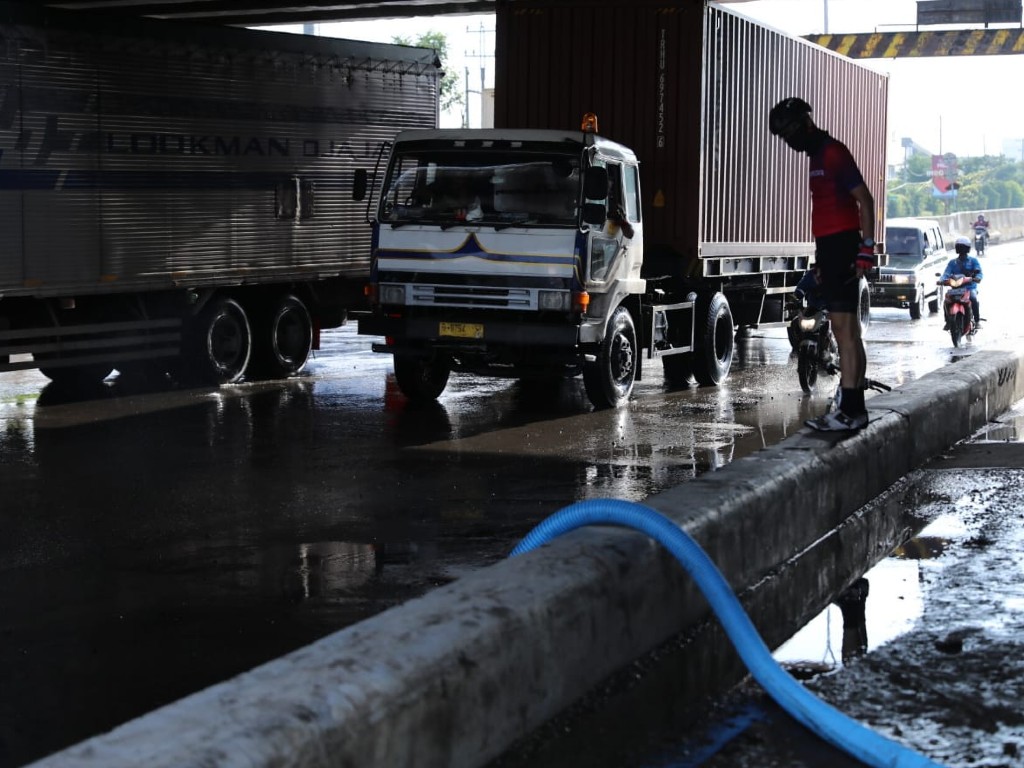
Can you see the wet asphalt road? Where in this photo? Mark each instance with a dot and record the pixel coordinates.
(158, 542)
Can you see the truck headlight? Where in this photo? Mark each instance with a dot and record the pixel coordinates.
(554, 301)
(391, 294)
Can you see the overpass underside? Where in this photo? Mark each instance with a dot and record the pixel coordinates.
(919, 44)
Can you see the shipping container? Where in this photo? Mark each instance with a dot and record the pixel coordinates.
(688, 86)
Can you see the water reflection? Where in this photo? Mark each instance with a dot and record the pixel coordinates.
(884, 604)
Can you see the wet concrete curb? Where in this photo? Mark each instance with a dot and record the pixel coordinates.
(453, 678)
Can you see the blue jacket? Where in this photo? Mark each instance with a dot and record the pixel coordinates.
(810, 289)
(970, 266)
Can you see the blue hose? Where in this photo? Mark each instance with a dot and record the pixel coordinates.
(827, 722)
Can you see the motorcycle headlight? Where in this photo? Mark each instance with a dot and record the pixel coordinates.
(808, 323)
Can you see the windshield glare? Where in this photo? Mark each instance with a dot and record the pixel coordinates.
(903, 242)
(439, 187)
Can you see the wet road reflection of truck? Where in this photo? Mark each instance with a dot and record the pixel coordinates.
(175, 198)
(538, 251)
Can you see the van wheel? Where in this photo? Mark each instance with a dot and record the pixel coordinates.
(714, 340)
(917, 308)
(609, 379)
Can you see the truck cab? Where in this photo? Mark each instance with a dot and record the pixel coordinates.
(515, 254)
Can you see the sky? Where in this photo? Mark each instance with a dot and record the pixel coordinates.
(968, 106)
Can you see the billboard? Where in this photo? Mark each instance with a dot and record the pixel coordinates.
(944, 183)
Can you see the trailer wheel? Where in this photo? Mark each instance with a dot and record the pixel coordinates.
(219, 343)
(284, 338)
(714, 342)
(609, 379)
(421, 379)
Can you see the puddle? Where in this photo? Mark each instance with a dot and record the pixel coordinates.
(894, 603)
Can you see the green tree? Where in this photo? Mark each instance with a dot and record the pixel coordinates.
(451, 91)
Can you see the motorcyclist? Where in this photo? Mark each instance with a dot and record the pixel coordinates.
(981, 221)
(809, 289)
(965, 264)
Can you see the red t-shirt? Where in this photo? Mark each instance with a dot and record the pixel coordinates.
(834, 174)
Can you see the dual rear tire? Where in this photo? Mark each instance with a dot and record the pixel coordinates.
(225, 342)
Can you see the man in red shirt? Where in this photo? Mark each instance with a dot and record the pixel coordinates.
(843, 225)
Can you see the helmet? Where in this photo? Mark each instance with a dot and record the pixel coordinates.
(786, 114)
(963, 246)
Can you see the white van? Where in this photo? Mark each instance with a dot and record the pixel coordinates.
(916, 250)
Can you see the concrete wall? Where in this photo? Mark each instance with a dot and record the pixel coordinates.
(1004, 224)
(455, 677)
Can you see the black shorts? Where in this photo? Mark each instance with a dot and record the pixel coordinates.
(836, 257)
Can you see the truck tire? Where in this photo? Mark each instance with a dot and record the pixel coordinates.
(219, 343)
(421, 379)
(864, 305)
(609, 379)
(284, 338)
(714, 340)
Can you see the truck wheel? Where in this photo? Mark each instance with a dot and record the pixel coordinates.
(864, 304)
(917, 308)
(609, 380)
(714, 340)
(220, 343)
(284, 338)
(421, 379)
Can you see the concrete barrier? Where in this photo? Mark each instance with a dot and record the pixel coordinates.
(455, 677)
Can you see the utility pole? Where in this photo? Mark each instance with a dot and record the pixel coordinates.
(482, 56)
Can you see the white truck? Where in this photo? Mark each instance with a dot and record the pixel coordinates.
(533, 252)
(178, 198)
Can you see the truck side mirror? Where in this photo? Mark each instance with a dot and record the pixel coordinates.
(594, 214)
(595, 183)
(359, 185)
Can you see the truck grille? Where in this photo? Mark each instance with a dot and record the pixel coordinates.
(472, 296)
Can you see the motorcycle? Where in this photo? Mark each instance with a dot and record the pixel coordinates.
(980, 240)
(957, 307)
(815, 345)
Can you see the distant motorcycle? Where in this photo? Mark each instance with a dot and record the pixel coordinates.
(815, 345)
(980, 240)
(957, 304)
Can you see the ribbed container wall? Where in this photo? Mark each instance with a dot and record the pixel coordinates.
(149, 162)
(689, 88)
(756, 188)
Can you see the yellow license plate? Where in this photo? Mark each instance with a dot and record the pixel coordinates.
(462, 330)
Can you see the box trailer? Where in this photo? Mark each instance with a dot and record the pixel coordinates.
(681, 221)
(177, 197)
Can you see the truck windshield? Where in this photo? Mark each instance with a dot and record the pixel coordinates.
(503, 188)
